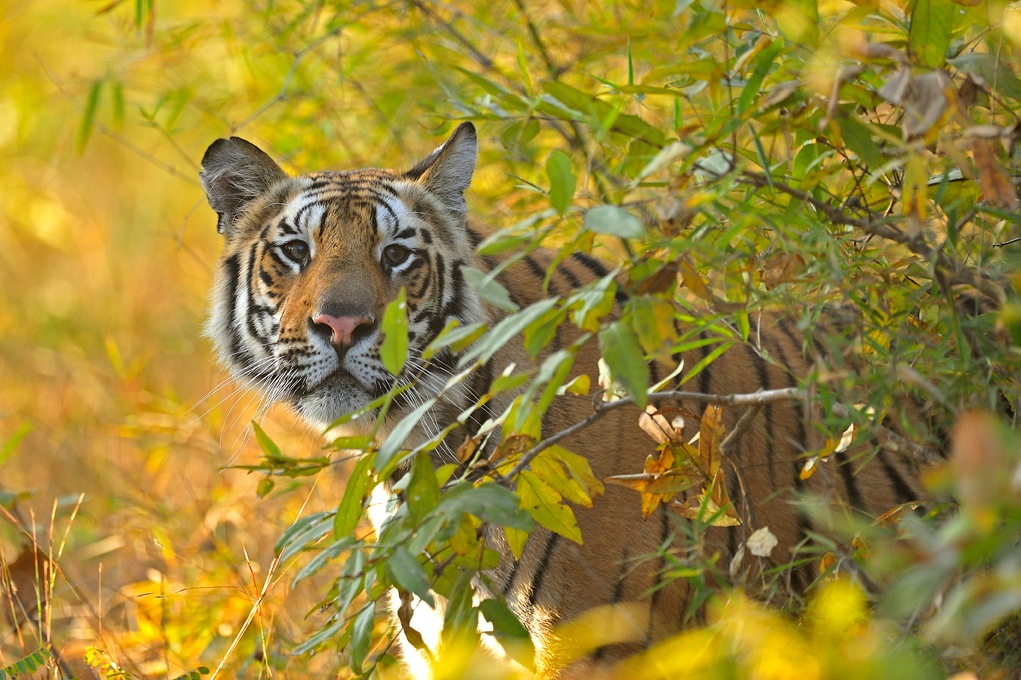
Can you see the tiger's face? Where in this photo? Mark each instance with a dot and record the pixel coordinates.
(311, 263)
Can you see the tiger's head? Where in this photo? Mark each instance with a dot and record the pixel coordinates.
(310, 263)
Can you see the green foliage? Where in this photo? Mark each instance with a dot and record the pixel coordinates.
(394, 349)
(27, 664)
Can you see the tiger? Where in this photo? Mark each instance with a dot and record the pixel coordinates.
(311, 262)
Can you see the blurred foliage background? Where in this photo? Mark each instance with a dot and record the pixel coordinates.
(117, 431)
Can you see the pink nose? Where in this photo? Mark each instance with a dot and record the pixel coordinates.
(342, 327)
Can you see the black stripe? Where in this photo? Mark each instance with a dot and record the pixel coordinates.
(902, 488)
(704, 379)
(599, 270)
(851, 485)
(615, 597)
(664, 534)
(537, 271)
(540, 572)
(251, 308)
(232, 271)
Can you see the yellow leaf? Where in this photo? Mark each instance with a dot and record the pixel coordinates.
(832, 446)
(516, 539)
(552, 472)
(545, 505)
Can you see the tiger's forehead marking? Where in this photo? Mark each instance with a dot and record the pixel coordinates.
(337, 200)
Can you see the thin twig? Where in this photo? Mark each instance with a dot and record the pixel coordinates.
(753, 399)
(956, 272)
(739, 428)
(748, 399)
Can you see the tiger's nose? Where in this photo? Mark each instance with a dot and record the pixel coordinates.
(342, 330)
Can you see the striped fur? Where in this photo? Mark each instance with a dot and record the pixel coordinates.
(262, 323)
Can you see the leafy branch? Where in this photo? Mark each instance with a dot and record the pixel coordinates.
(755, 400)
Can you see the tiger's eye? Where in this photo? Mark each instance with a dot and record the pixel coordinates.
(297, 250)
(395, 254)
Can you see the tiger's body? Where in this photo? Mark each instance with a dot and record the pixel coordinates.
(309, 265)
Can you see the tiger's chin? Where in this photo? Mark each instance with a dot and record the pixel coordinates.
(336, 396)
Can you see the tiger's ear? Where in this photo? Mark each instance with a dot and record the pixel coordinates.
(447, 171)
(234, 172)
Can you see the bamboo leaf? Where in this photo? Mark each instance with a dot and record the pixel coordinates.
(393, 351)
(562, 181)
(359, 484)
(932, 24)
(408, 574)
(623, 354)
(613, 220)
(88, 115)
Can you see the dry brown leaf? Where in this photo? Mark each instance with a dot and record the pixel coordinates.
(700, 506)
(662, 424)
(467, 449)
(664, 477)
(661, 281)
(781, 268)
(926, 98)
(693, 281)
(710, 434)
(996, 188)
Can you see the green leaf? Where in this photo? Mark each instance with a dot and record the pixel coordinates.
(562, 181)
(302, 534)
(509, 327)
(592, 302)
(761, 64)
(328, 632)
(601, 113)
(395, 440)
(932, 25)
(393, 351)
(117, 100)
(613, 220)
(993, 70)
(266, 485)
(858, 138)
(454, 336)
(624, 356)
(408, 574)
(353, 580)
(268, 446)
(359, 484)
(323, 557)
(509, 632)
(361, 635)
(355, 443)
(491, 290)
(89, 115)
(489, 502)
(14, 441)
(423, 492)
(542, 331)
